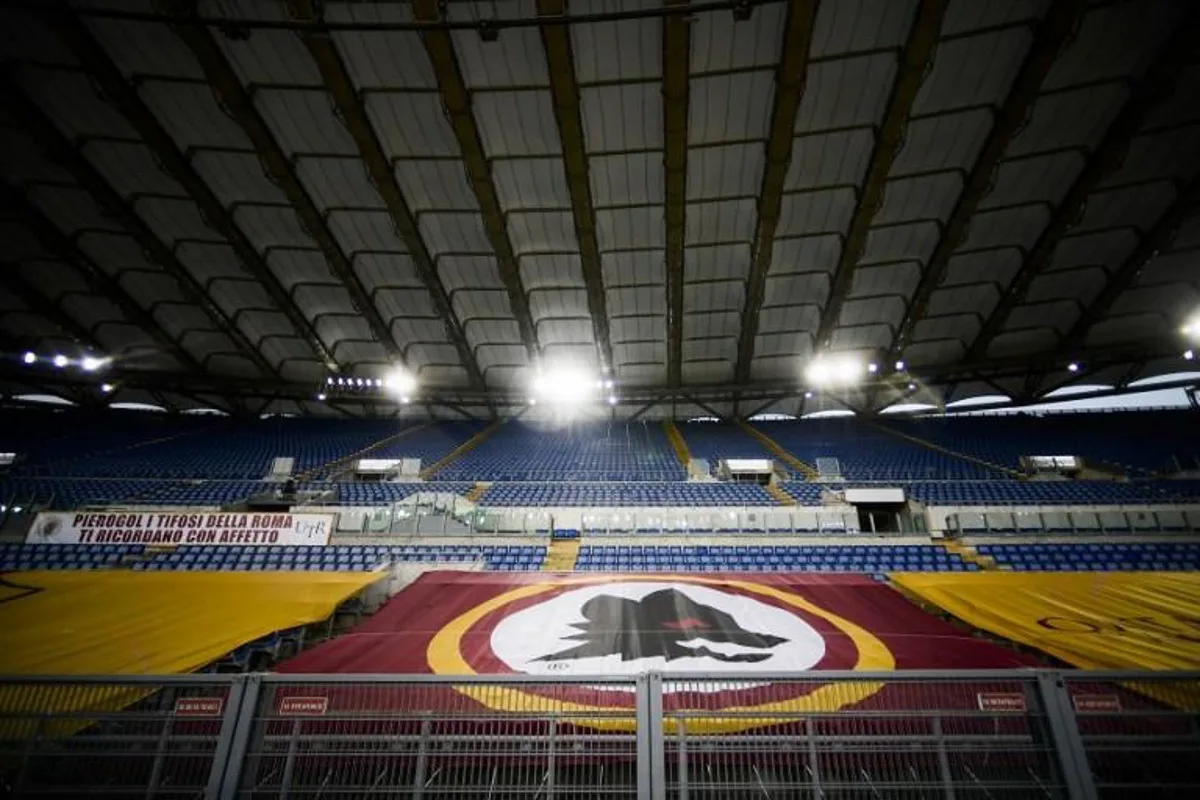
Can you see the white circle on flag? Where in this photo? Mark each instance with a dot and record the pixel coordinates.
(706, 630)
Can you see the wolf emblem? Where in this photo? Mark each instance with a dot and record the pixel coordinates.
(659, 625)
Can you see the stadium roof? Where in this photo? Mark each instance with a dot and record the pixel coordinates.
(238, 200)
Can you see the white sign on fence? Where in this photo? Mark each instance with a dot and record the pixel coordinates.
(122, 527)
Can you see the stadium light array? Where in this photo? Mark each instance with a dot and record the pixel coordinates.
(839, 370)
(900, 365)
(93, 363)
(872, 368)
(60, 360)
(564, 386)
(400, 382)
(29, 358)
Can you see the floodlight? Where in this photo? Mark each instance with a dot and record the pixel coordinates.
(608, 384)
(834, 370)
(92, 363)
(808, 395)
(899, 366)
(60, 360)
(533, 401)
(564, 385)
(340, 382)
(612, 400)
(404, 399)
(321, 396)
(1073, 367)
(1188, 355)
(361, 382)
(107, 387)
(379, 382)
(29, 358)
(912, 387)
(872, 368)
(329, 380)
(401, 382)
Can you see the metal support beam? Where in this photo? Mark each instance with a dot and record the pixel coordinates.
(350, 107)
(677, 34)
(118, 91)
(915, 62)
(1052, 34)
(97, 280)
(11, 279)
(1156, 85)
(238, 104)
(457, 100)
(62, 151)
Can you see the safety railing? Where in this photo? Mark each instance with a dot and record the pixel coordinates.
(988, 734)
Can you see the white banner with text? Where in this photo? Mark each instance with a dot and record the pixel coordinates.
(100, 527)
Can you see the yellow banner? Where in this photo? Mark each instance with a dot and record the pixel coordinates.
(1093, 620)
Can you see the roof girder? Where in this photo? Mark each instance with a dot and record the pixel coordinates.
(349, 105)
(677, 34)
(1155, 86)
(457, 101)
(228, 89)
(1052, 34)
(125, 97)
(915, 60)
(564, 91)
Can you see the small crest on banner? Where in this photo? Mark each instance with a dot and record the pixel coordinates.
(199, 706)
(303, 706)
(1096, 703)
(1010, 702)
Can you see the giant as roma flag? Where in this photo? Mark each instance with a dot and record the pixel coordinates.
(451, 623)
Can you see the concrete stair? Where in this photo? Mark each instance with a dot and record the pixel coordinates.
(562, 555)
(1012, 473)
(346, 461)
(465, 447)
(477, 491)
(677, 443)
(804, 468)
(780, 494)
(969, 554)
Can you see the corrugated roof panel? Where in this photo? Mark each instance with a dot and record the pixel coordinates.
(846, 93)
(237, 178)
(928, 352)
(895, 279)
(407, 330)
(114, 252)
(730, 106)
(1019, 226)
(1138, 206)
(271, 226)
(295, 354)
(23, 37)
(1058, 315)
(432, 354)
(335, 182)
(638, 328)
(517, 123)
(975, 299)
(386, 269)
(1018, 343)
(320, 301)
(1109, 248)
(473, 272)
(805, 254)
(796, 290)
(960, 328)
(152, 290)
(558, 303)
(381, 58)
(172, 220)
(974, 70)
(51, 278)
(722, 172)
(923, 197)
(622, 117)
(435, 185)
(619, 50)
(483, 321)
(70, 99)
(130, 168)
(407, 302)
(304, 121)
(860, 320)
(191, 115)
(782, 319)
(178, 320)
(576, 353)
(461, 232)
(271, 56)
(1127, 328)
(1075, 118)
(553, 331)
(856, 25)
(237, 298)
(352, 351)
(999, 266)
(21, 160)
(963, 16)
(773, 347)
(625, 228)
(721, 221)
(718, 45)
(716, 262)
(626, 179)
(942, 143)
(640, 353)
(721, 325)
(914, 241)
(812, 212)
(488, 334)
(493, 355)
(1082, 286)
(359, 231)
(531, 183)
(704, 297)
(1115, 40)
(144, 48)
(299, 266)
(1040, 179)
(539, 272)
(19, 241)
(1171, 268)
(1183, 106)
(635, 268)
(70, 209)
(704, 372)
(515, 59)
(829, 159)
(444, 376)
(647, 301)
(206, 262)
(410, 125)
(542, 231)
(1187, 235)
(1163, 154)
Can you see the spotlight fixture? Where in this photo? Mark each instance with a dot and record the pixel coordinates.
(60, 361)
(329, 381)
(912, 387)
(1072, 367)
(107, 388)
(565, 385)
(340, 382)
(808, 395)
(900, 366)
(93, 363)
(872, 368)
(533, 401)
(379, 383)
(321, 396)
(612, 400)
(608, 384)
(834, 370)
(1189, 355)
(405, 399)
(400, 382)
(29, 358)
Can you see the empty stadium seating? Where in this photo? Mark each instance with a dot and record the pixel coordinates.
(767, 558)
(715, 441)
(626, 494)
(1107, 557)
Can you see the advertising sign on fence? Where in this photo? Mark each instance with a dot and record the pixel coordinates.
(169, 527)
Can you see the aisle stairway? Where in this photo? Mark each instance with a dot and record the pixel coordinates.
(677, 443)
(562, 555)
(947, 451)
(970, 555)
(780, 494)
(345, 461)
(477, 491)
(462, 449)
(807, 470)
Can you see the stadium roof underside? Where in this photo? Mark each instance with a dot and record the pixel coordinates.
(237, 201)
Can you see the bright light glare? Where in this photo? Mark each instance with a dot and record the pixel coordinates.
(1188, 355)
(400, 382)
(608, 384)
(321, 396)
(405, 399)
(612, 400)
(1073, 367)
(329, 380)
(92, 363)
(106, 387)
(834, 370)
(60, 360)
(30, 358)
(808, 395)
(872, 368)
(899, 366)
(564, 386)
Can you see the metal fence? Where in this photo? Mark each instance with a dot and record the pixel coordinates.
(993, 734)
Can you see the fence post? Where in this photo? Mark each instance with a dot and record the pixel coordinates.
(234, 739)
(651, 764)
(1064, 734)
